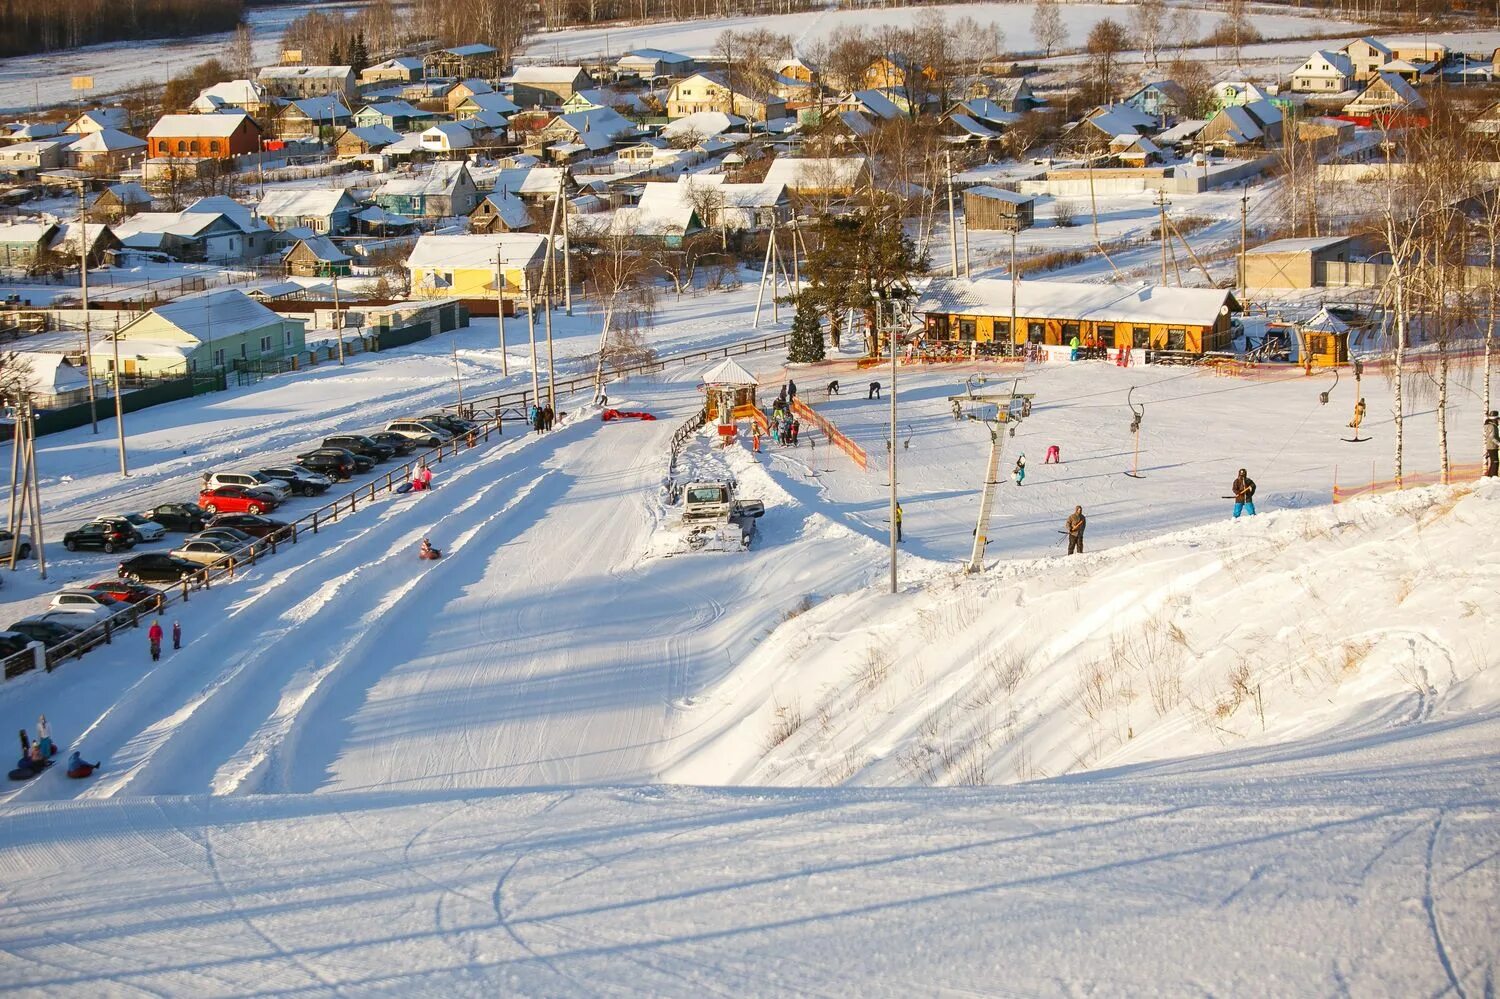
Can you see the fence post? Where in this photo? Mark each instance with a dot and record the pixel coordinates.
(372, 489)
(315, 522)
(353, 502)
(109, 638)
(39, 656)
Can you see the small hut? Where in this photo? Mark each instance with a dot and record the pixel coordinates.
(730, 392)
(1324, 341)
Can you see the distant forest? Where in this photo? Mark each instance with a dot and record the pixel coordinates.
(29, 26)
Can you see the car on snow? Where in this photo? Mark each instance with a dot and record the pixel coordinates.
(399, 445)
(52, 630)
(251, 525)
(96, 606)
(455, 425)
(105, 535)
(207, 551)
(187, 517)
(130, 593)
(13, 642)
(300, 480)
(238, 539)
(236, 499)
(145, 529)
(361, 445)
(348, 463)
(255, 481)
(157, 567)
(426, 433)
(7, 540)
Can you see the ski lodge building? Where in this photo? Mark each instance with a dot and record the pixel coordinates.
(1190, 320)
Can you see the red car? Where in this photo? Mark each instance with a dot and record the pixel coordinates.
(235, 499)
(130, 593)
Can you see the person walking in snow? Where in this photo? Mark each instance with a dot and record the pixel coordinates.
(153, 634)
(176, 635)
(1075, 525)
(796, 429)
(791, 391)
(538, 420)
(1492, 445)
(1019, 472)
(898, 523)
(533, 413)
(1243, 489)
(548, 416)
(44, 737)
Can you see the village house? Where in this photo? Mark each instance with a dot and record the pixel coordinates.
(1367, 56)
(994, 208)
(447, 137)
(462, 90)
(654, 64)
(108, 150)
(1251, 125)
(1011, 94)
(1386, 94)
(315, 256)
(327, 212)
(894, 71)
(99, 119)
(23, 245)
(535, 185)
(466, 266)
(445, 191)
(591, 131)
(1231, 93)
(735, 207)
(32, 157)
(213, 230)
(202, 332)
(1324, 72)
(711, 92)
(492, 103)
(67, 244)
(1187, 320)
(398, 116)
(357, 141)
(1295, 263)
(204, 136)
(402, 69)
(812, 176)
(665, 215)
(547, 86)
(1160, 99)
(120, 201)
(501, 212)
(246, 95)
(312, 119)
(296, 82)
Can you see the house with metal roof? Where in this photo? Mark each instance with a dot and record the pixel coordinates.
(107, 150)
(203, 136)
(214, 229)
(547, 86)
(1324, 72)
(309, 81)
(98, 119)
(468, 266)
(326, 211)
(446, 190)
(204, 332)
(24, 245)
(313, 118)
(246, 95)
(654, 64)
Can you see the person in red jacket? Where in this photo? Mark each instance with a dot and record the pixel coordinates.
(154, 633)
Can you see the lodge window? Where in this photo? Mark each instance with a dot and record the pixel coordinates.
(265, 344)
(219, 357)
(1002, 330)
(966, 329)
(1176, 339)
(182, 146)
(1069, 331)
(1036, 332)
(213, 146)
(1141, 339)
(1106, 333)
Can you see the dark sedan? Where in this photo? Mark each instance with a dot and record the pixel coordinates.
(156, 567)
(399, 445)
(254, 525)
(361, 445)
(343, 457)
(49, 632)
(186, 517)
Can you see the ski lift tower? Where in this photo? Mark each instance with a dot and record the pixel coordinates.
(1010, 409)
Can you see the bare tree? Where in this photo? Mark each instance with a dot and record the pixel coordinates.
(1184, 30)
(15, 377)
(1047, 25)
(708, 202)
(1148, 18)
(239, 53)
(1105, 43)
(1236, 28)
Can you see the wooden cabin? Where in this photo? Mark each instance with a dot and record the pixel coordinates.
(1188, 320)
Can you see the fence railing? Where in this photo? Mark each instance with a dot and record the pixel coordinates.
(835, 436)
(1343, 492)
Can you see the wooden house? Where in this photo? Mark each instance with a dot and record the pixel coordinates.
(713, 92)
(447, 190)
(1186, 320)
(316, 256)
(547, 86)
(297, 82)
(312, 118)
(993, 208)
(466, 266)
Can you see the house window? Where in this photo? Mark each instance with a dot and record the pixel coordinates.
(1141, 339)
(244, 350)
(966, 329)
(1069, 331)
(1002, 330)
(286, 338)
(1176, 339)
(1036, 332)
(182, 146)
(219, 357)
(265, 345)
(213, 146)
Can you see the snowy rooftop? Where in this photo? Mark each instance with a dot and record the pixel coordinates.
(1068, 300)
(315, 202)
(477, 252)
(173, 126)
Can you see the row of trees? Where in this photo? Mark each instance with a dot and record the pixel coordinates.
(1150, 26)
(28, 26)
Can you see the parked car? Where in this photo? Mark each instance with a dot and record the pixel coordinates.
(453, 424)
(423, 432)
(97, 606)
(107, 535)
(249, 524)
(299, 479)
(7, 539)
(130, 593)
(343, 458)
(49, 630)
(235, 499)
(187, 517)
(12, 642)
(144, 528)
(157, 567)
(360, 444)
(256, 481)
(206, 551)
(399, 445)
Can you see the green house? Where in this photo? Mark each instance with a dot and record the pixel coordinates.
(203, 332)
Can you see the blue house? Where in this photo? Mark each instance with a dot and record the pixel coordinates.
(1161, 98)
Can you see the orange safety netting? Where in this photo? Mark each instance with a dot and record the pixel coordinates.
(1374, 487)
(834, 434)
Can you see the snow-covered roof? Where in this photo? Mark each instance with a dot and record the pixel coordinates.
(491, 102)
(545, 74)
(100, 118)
(448, 135)
(1338, 61)
(25, 232)
(374, 136)
(1374, 43)
(703, 124)
(597, 128)
(729, 372)
(1000, 194)
(1306, 244)
(639, 56)
(229, 208)
(971, 127)
(35, 130)
(471, 252)
(218, 313)
(985, 110)
(375, 215)
(305, 72)
(329, 107)
(1074, 301)
(664, 210)
(472, 49)
(816, 172)
(1324, 322)
(511, 210)
(441, 179)
(399, 62)
(235, 93)
(1242, 127)
(395, 109)
(1402, 94)
(1181, 132)
(130, 194)
(529, 180)
(877, 103)
(764, 195)
(107, 140)
(322, 248)
(314, 202)
(51, 374)
(189, 126)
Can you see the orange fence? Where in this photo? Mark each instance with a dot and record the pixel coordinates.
(1374, 487)
(834, 434)
(754, 415)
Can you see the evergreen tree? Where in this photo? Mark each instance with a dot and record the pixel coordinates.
(805, 344)
(335, 55)
(359, 56)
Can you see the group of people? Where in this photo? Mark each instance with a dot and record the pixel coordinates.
(541, 417)
(154, 635)
(36, 755)
(783, 425)
(421, 479)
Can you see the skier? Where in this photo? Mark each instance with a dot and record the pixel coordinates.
(1019, 472)
(1243, 488)
(833, 387)
(44, 737)
(755, 438)
(796, 429)
(1359, 416)
(1076, 523)
(1054, 455)
(898, 523)
(176, 635)
(79, 768)
(1492, 445)
(153, 634)
(874, 392)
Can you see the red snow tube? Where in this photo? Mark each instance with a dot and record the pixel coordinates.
(621, 414)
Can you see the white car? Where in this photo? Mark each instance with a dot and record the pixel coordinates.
(250, 480)
(420, 431)
(145, 530)
(7, 539)
(99, 606)
(207, 551)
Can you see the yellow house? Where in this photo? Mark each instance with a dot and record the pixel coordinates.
(466, 266)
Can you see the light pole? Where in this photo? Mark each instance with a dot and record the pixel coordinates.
(88, 337)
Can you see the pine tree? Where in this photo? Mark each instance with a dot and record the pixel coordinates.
(334, 55)
(359, 56)
(805, 344)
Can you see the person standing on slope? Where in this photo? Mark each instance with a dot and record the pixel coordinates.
(1075, 525)
(1243, 488)
(1492, 445)
(1019, 472)
(154, 634)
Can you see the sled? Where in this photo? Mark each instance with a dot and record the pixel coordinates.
(26, 773)
(404, 487)
(431, 556)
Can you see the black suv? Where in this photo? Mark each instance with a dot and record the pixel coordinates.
(189, 517)
(335, 462)
(298, 479)
(360, 444)
(104, 534)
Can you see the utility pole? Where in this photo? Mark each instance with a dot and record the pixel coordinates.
(119, 403)
(551, 394)
(987, 497)
(458, 378)
(894, 504)
(536, 393)
(1013, 289)
(500, 313)
(952, 217)
(1161, 204)
(968, 274)
(567, 249)
(338, 317)
(88, 339)
(1244, 235)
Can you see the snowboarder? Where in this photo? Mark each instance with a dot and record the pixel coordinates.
(1076, 523)
(1054, 455)
(153, 634)
(833, 387)
(1243, 488)
(874, 391)
(898, 523)
(79, 768)
(1019, 472)
(44, 737)
(176, 635)
(1492, 445)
